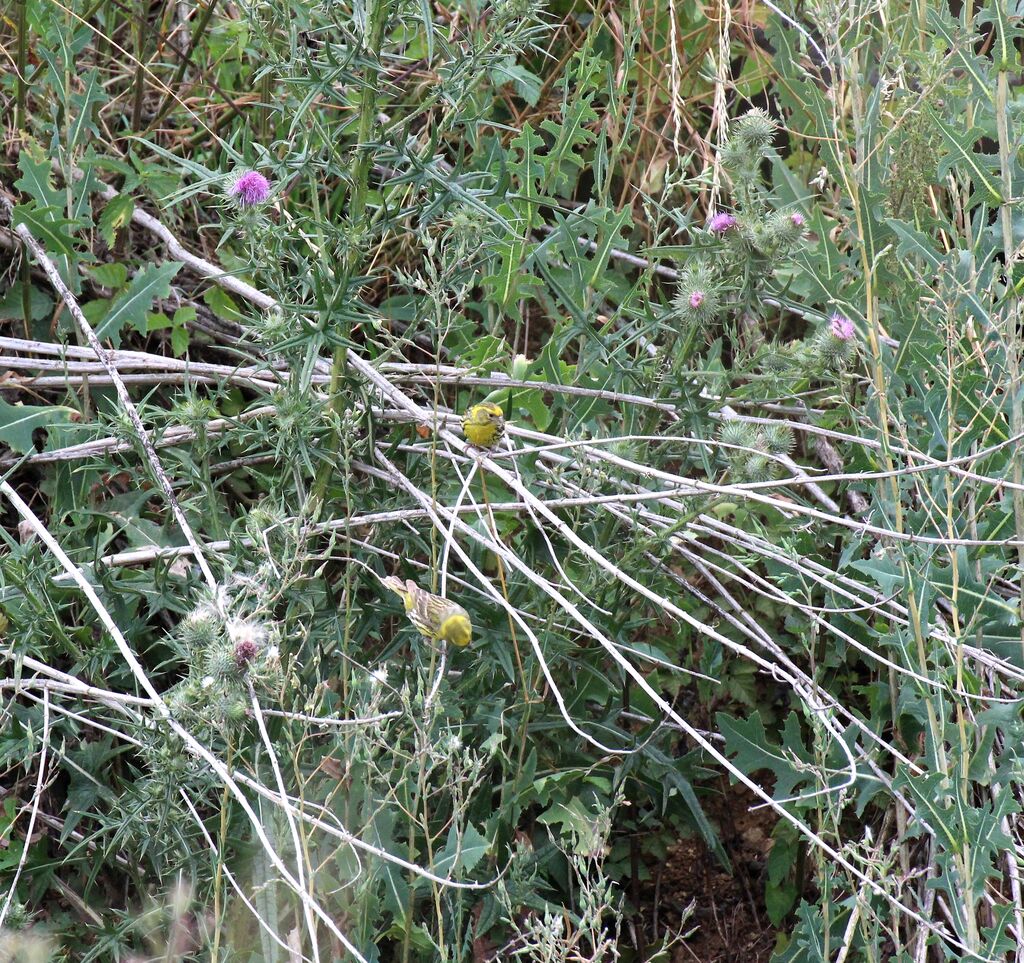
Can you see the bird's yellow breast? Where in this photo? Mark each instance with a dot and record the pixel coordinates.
(482, 435)
(457, 629)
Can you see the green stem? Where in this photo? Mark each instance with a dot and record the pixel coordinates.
(140, 73)
(375, 25)
(19, 113)
(1011, 316)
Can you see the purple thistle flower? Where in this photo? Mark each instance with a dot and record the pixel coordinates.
(721, 222)
(797, 219)
(245, 651)
(696, 299)
(250, 189)
(841, 328)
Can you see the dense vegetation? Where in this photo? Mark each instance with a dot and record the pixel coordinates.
(744, 572)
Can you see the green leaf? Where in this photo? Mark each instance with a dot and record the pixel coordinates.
(130, 307)
(528, 85)
(979, 166)
(12, 306)
(82, 120)
(35, 178)
(748, 742)
(46, 227)
(111, 275)
(462, 852)
(222, 304)
(115, 216)
(18, 422)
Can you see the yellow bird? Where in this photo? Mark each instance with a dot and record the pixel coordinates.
(484, 424)
(435, 618)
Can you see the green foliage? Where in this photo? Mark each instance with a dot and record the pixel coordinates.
(754, 324)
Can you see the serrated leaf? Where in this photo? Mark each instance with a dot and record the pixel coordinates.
(35, 179)
(46, 227)
(17, 422)
(130, 307)
(571, 133)
(461, 852)
(748, 742)
(179, 341)
(962, 153)
(115, 216)
(528, 85)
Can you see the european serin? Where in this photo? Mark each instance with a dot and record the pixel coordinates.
(435, 618)
(484, 424)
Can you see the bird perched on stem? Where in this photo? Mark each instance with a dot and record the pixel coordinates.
(484, 424)
(435, 618)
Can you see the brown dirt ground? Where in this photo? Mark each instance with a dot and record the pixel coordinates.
(728, 910)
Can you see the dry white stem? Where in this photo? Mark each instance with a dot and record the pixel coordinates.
(122, 393)
(161, 707)
(177, 435)
(199, 265)
(300, 849)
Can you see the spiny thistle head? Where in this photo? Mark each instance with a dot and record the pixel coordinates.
(721, 222)
(468, 230)
(698, 298)
(200, 628)
(778, 439)
(755, 130)
(194, 411)
(230, 706)
(841, 327)
(835, 344)
(759, 468)
(514, 10)
(782, 358)
(247, 638)
(219, 662)
(18, 918)
(248, 188)
(264, 519)
(182, 699)
(739, 434)
(783, 230)
(244, 652)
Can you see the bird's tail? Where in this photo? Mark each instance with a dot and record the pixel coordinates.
(396, 585)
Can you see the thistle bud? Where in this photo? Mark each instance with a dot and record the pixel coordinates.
(739, 434)
(835, 345)
(778, 439)
(783, 230)
(18, 917)
(200, 628)
(697, 300)
(219, 663)
(755, 130)
(759, 468)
